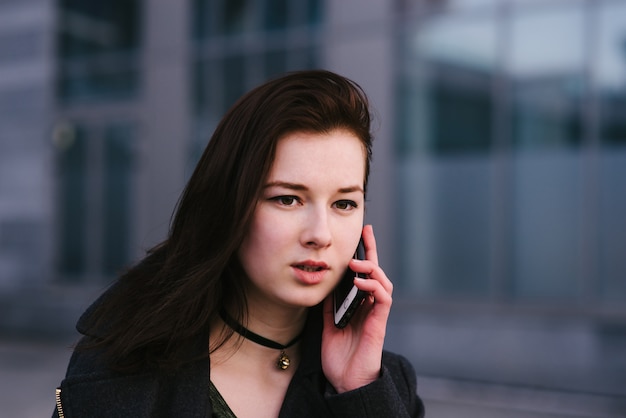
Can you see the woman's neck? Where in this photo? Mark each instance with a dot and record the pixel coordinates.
(244, 366)
(282, 326)
(277, 323)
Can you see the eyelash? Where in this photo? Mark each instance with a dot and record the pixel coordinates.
(294, 199)
(351, 203)
(281, 199)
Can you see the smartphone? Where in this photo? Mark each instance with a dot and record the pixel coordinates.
(346, 296)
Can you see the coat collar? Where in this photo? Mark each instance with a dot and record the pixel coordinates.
(192, 380)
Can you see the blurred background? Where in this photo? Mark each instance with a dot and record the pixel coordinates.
(498, 189)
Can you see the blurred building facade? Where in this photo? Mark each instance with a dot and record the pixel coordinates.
(497, 190)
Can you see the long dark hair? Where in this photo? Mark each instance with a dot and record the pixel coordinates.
(157, 308)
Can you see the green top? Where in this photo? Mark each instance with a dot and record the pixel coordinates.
(220, 407)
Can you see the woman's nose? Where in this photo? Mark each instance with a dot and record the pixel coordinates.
(316, 232)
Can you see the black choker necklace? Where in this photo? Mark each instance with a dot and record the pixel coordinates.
(283, 360)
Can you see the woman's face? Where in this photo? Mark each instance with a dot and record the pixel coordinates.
(308, 221)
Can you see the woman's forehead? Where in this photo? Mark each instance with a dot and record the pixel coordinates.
(338, 156)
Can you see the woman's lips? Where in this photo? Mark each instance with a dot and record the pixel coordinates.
(310, 272)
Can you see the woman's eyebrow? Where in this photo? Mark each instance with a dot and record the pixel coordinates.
(286, 185)
(351, 189)
(302, 187)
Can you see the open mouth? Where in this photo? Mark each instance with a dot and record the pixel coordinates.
(309, 269)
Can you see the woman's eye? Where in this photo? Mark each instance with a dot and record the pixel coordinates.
(346, 205)
(286, 200)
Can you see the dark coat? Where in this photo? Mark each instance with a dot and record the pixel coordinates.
(91, 390)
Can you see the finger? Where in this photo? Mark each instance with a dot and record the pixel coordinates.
(375, 289)
(376, 307)
(372, 271)
(370, 244)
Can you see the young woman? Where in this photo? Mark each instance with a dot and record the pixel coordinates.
(232, 314)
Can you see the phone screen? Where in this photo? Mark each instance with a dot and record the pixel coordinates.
(346, 296)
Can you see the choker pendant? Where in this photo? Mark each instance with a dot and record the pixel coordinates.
(283, 361)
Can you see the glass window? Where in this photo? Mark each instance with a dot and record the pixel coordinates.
(547, 80)
(529, 215)
(238, 16)
(304, 57)
(276, 14)
(470, 4)
(276, 62)
(71, 143)
(97, 48)
(610, 91)
(313, 12)
(234, 71)
(547, 226)
(460, 111)
(460, 41)
(443, 146)
(119, 165)
(202, 23)
(214, 18)
(228, 62)
(96, 175)
(610, 71)
(458, 61)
